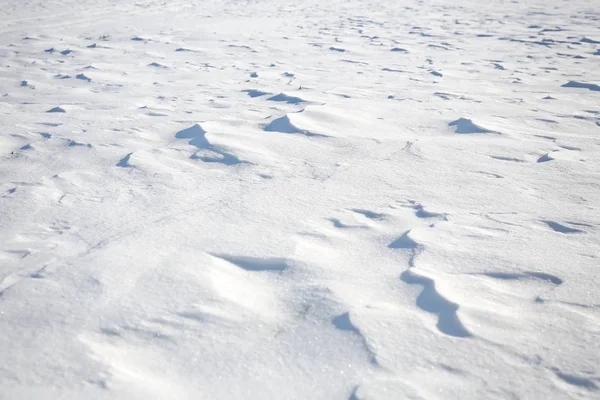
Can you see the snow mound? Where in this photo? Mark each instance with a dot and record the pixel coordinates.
(283, 125)
(582, 85)
(57, 110)
(466, 126)
(196, 134)
(282, 97)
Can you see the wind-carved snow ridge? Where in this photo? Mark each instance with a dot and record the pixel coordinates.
(256, 264)
(582, 85)
(429, 300)
(206, 151)
(524, 275)
(124, 162)
(255, 92)
(432, 301)
(344, 322)
(404, 242)
(57, 110)
(285, 125)
(282, 97)
(464, 125)
(561, 228)
(369, 214)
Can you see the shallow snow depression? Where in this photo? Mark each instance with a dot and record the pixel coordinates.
(299, 200)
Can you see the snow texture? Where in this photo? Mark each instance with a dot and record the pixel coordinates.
(276, 199)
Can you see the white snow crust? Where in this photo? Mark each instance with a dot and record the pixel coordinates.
(276, 199)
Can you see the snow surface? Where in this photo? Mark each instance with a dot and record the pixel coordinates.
(299, 199)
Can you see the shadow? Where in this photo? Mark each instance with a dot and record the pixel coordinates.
(431, 301)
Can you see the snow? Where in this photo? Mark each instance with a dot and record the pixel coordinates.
(270, 199)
